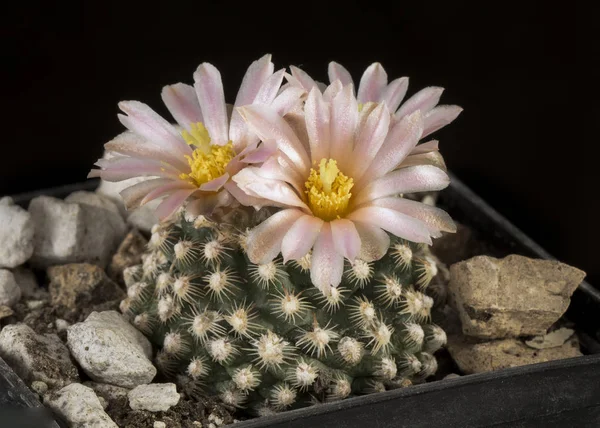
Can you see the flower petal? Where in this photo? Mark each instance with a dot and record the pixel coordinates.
(122, 168)
(424, 100)
(338, 72)
(172, 203)
(216, 184)
(433, 158)
(374, 241)
(439, 117)
(134, 145)
(182, 102)
(264, 241)
(435, 218)
(206, 204)
(327, 265)
(395, 93)
(209, 87)
(399, 142)
(144, 121)
(370, 137)
(301, 237)
(420, 178)
(305, 80)
(287, 100)
(268, 125)
(372, 83)
(256, 75)
(316, 113)
(279, 192)
(345, 238)
(429, 146)
(261, 153)
(133, 195)
(278, 167)
(166, 188)
(343, 120)
(394, 222)
(270, 88)
(332, 90)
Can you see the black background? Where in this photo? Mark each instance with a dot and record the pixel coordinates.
(524, 72)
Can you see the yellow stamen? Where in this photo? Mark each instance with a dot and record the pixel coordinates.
(360, 106)
(328, 191)
(207, 161)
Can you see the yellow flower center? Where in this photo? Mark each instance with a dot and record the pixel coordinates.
(328, 191)
(208, 161)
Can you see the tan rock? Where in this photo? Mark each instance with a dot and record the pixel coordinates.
(80, 285)
(473, 356)
(129, 254)
(511, 297)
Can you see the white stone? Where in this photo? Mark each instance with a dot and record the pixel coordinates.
(110, 350)
(71, 233)
(159, 424)
(16, 235)
(80, 407)
(61, 325)
(10, 293)
(39, 387)
(553, 339)
(111, 210)
(108, 392)
(155, 397)
(37, 357)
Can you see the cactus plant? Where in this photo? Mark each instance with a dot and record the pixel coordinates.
(263, 337)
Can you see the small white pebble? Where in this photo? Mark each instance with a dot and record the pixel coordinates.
(61, 325)
(35, 304)
(159, 424)
(211, 425)
(103, 402)
(197, 424)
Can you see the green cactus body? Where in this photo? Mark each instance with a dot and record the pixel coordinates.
(262, 337)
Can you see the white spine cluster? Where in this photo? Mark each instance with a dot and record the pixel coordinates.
(246, 378)
(362, 313)
(426, 270)
(144, 322)
(240, 320)
(221, 350)
(267, 274)
(350, 350)
(271, 350)
(339, 389)
(288, 305)
(164, 282)
(435, 338)
(360, 273)
(186, 252)
(213, 252)
(380, 336)
(387, 369)
(332, 298)
(302, 375)
(174, 344)
(197, 368)
(166, 308)
(317, 341)
(203, 323)
(184, 289)
(414, 335)
(402, 255)
(283, 396)
(221, 284)
(389, 292)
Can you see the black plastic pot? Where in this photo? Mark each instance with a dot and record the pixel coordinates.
(558, 393)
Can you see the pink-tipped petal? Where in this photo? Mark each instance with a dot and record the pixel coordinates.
(279, 192)
(371, 135)
(134, 145)
(264, 241)
(317, 125)
(288, 100)
(394, 222)
(345, 238)
(399, 142)
(395, 93)
(243, 198)
(134, 195)
(123, 168)
(182, 102)
(305, 80)
(216, 184)
(278, 167)
(300, 238)
(256, 75)
(268, 125)
(332, 90)
(260, 154)
(338, 72)
(327, 265)
(374, 241)
(343, 120)
(270, 88)
(429, 146)
(372, 84)
(420, 178)
(144, 121)
(424, 100)
(433, 158)
(172, 203)
(209, 87)
(165, 189)
(435, 218)
(439, 117)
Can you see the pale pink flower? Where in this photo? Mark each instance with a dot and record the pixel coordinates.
(337, 182)
(374, 87)
(195, 159)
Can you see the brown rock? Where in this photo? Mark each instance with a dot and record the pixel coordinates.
(129, 254)
(473, 356)
(79, 287)
(511, 297)
(5, 312)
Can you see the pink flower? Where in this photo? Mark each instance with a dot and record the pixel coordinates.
(374, 87)
(196, 158)
(337, 182)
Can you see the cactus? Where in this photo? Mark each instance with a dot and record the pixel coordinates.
(262, 337)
